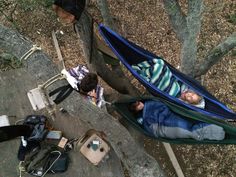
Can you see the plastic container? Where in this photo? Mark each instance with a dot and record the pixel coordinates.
(4, 121)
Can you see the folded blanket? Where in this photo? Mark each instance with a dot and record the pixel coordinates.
(157, 73)
(159, 120)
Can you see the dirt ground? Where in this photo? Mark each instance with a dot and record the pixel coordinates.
(146, 23)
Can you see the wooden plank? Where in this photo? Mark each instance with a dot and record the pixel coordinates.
(173, 160)
(59, 55)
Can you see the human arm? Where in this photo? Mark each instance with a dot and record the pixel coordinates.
(71, 80)
(93, 96)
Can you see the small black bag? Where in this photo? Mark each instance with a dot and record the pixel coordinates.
(58, 162)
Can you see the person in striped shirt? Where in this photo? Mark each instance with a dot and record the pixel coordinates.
(86, 83)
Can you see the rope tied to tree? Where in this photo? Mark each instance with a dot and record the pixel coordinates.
(21, 168)
(30, 52)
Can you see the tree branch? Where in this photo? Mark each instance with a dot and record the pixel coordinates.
(108, 21)
(107, 18)
(96, 61)
(216, 54)
(195, 9)
(177, 18)
(189, 45)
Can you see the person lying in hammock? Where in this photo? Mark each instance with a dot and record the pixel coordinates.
(157, 119)
(157, 73)
(86, 83)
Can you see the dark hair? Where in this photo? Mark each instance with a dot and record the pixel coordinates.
(132, 107)
(74, 7)
(89, 82)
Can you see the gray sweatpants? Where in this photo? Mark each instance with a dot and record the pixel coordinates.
(210, 132)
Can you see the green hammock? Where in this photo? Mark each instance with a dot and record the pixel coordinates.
(121, 106)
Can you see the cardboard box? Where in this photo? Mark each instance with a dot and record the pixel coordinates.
(94, 149)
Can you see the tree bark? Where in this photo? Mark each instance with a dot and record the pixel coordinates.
(177, 18)
(88, 43)
(104, 9)
(187, 28)
(41, 68)
(20, 81)
(216, 54)
(189, 46)
(108, 21)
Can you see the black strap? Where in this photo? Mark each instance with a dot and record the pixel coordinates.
(13, 131)
(63, 92)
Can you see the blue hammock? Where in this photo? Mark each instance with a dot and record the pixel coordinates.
(131, 54)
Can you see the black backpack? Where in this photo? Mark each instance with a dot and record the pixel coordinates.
(39, 132)
(46, 159)
(38, 123)
(38, 157)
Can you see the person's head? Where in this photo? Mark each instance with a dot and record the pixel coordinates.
(69, 11)
(64, 16)
(89, 82)
(191, 97)
(136, 106)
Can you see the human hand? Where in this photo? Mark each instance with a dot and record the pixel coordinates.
(93, 93)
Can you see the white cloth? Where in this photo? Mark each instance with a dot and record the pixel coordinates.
(201, 104)
(70, 79)
(75, 75)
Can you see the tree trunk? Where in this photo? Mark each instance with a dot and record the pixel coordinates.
(216, 54)
(41, 68)
(20, 81)
(187, 28)
(104, 9)
(88, 43)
